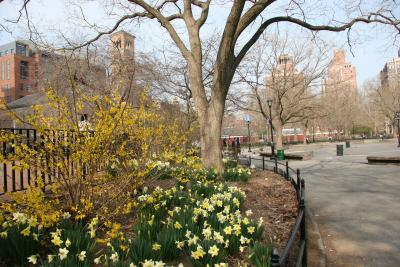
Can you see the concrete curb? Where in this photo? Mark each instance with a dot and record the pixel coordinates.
(316, 232)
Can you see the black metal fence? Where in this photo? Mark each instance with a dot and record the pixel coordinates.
(299, 227)
(17, 175)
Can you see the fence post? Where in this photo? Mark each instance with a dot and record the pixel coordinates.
(287, 170)
(21, 170)
(28, 136)
(249, 161)
(298, 189)
(263, 162)
(303, 234)
(5, 187)
(36, 147)
(275, 258)
(276, 165)
(13, 144)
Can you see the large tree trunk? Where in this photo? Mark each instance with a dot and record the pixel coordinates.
(279, 136)
(210, 133)
(210, 118)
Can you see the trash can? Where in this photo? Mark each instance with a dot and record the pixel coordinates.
(347, 143)
(281, 154)
(339, 150)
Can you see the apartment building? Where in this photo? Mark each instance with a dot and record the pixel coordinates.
(342, 77)
(18, 70)
(390, 74)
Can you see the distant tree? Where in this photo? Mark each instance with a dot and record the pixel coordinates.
(281, 69)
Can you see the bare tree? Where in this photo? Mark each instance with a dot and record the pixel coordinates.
(385, 101)
(243, 25)
(284, 71)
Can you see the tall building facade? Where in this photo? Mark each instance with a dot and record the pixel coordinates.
(342, 77)
(390, 74)
(122, 49)
(18, 70)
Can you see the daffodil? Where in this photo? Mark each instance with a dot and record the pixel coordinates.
(177, 225)
(218, 237)
(66, 215)
(213, 251)
(50, 257)
(159, 264)
(57, 240)
(33, 221)
(98, 260)
(207, 233)
(250, 229)
(156, 247)
(3, 234)
(26, 231)
(32, 259)
(63, 253)
(82, 256)
(199, 253)
(148, 263)
(114, 257)
(228, 230)
(179, 244)
(193, 240)
(19, 217)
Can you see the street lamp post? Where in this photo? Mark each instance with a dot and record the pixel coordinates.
(397, 117)
(248, 119)
(269, 101)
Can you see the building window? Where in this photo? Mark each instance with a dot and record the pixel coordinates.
(21, 49)
(8, 70)
(2, 71)
(9, 88)
(117, 44)
(3, 87)
(21, 87)
(24, 70)
(29, 88)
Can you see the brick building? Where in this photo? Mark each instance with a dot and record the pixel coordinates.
(390, 74)
(122, 50)
(341, 80)
(18, 70)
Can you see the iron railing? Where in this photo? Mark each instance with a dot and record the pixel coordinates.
(288, 173)
(17, 176)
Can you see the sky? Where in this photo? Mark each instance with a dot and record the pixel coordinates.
(370, 51)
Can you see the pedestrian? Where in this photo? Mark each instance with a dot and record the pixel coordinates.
(84, 125)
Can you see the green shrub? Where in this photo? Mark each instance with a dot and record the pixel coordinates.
(229, 163)
(237, 174)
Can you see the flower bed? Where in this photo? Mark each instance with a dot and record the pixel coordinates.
(199, 221)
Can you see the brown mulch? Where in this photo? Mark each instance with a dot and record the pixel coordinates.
(273, 198)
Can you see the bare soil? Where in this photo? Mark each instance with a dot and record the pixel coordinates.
(273, 198)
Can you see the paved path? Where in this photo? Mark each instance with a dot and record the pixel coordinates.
(356, 205)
